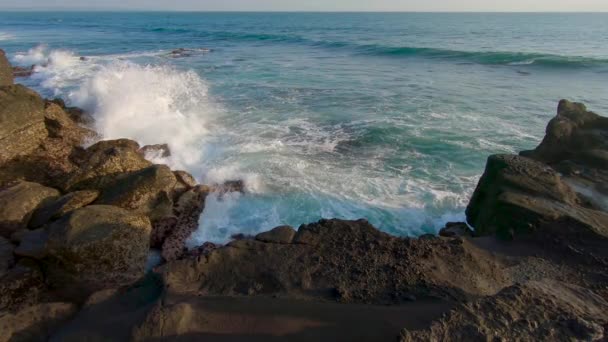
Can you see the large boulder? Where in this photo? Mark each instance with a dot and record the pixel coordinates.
(36, 322)
(147, 191)
(22, 126)
(574, 134)
(6, 255)
(22, 285)
(61, 126)
(6, 71)
(95, 248)
(18, 202)
(61, 206)
(103, 162)
(520, 195)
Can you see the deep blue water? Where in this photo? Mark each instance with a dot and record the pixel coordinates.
(387, 116)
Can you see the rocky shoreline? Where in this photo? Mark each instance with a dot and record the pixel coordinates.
(77, 225)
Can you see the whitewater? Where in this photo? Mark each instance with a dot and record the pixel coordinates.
(321, 117)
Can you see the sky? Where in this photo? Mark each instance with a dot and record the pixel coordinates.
(312, 5)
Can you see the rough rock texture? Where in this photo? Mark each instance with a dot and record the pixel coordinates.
(34, 323)
(96, 247)
(61, 206)
(146, 191)
(22, 126)
(282, 234)
(104, 162)
(21, 285)
(350, 261)
(6, 71)
(536, 311)
(156, 151)
(173, 232)
(23, 71)
(18, 202)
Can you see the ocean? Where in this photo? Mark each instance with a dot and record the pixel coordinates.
(383, 116)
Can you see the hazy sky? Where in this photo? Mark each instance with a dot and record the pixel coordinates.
(315, 5)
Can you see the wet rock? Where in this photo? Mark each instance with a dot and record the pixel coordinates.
(454, 229)
(145, 191)
(156, 151)
(185, 182)
(6, 255)
(95, 248)
(6, 72)
(61, 206)
(104, 162)
(282, 234)
(23, 71)
(18, 202)
(36, 322)
(22, 126)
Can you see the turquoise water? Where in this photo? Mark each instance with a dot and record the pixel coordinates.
(389, 117)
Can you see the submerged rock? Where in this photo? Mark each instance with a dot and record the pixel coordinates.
(95, 248)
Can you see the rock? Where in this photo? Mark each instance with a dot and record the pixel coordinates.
(6, 72)
(96, 247)
(104, 162)
(535, 311)
(185, 182)
(22, 285)
(156, 151)
(33, 244)
(454, 229)
(61, 206)
(18, 202)
(145, 191)
(282, 234)
(366, 265)
(23, 72)
(61, 126)
(6, 256)
(574, 134)
(36, 322)
(229, 186)
(22, 126)
(188, 210)
(517, 194)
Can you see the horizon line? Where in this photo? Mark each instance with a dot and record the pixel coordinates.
(114, 10)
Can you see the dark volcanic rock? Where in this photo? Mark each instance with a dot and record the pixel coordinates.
(346, 260)
(18, 202)
(6, 71)
(95, 248)
(156, 151)
(23, 72)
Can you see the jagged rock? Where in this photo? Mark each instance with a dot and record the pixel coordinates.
(185, 182)
(454, 229)
(33, 244)
(156, 151)
(282, 234)
(187, 212)
(22, 126)
(104, 162)
(18, 202)
(145, 191)
(95, 248)
(353, 256)
(6, 71)
(76, 114)
(6, 256)
(574, 134)
(59, 125)
(23, 72)
(22, 285)
(536, 311)
(61, 206)
(36, 322)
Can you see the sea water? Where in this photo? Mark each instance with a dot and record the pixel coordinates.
(383, 116)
